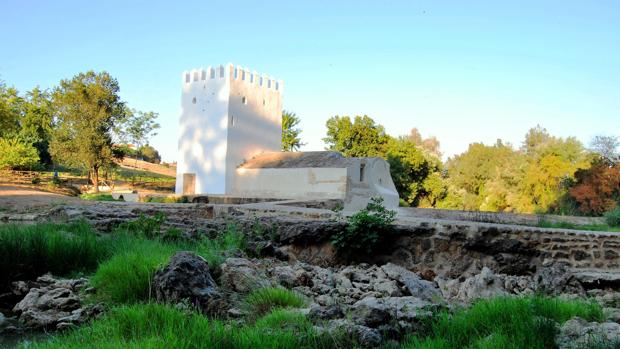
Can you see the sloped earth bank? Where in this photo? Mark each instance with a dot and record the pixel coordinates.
(423, 267)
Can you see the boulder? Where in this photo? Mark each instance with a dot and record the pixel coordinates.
(414, 284)
(557, 279)
(241, 275)
(364, 336)
(318, 312)
(185, 278)
(578, 333)
(52, 303)
(376, 312)
(484, 285)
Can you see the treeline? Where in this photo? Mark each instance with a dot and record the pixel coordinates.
(77, 124)
(546, 174)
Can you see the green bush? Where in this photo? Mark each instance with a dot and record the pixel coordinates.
(167, 199)
(264, 300)
(162, 326)
(146, 226)
(510, 323)
(98, 197)
(29, 251)
(17, 155)
(613, 217)
(365, 230)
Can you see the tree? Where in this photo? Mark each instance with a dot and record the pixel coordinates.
(606, 147)
(290, 134)
(10, 110)
(137, 127)
(429, 144)
(357, 139)
(87, 107)
(597, 189)
(149, 154)
(36, 122)
(16, 154)
(416, 174)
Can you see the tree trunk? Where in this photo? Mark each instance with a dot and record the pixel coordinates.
(96, 179)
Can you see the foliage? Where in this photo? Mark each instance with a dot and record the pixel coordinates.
(136, 127)
(29, 251)
(365, 230)
(16, 154)
(37, 121)
(167, 199)
(10, 110)
(504, 323)
(607, 147)
(98, 197)
(87, 108)
(431, 144)
(612, 217)
(146, 226)
(264, 300)
(362, 137)
(163, 326)
(415, 172)
(149, 154)
(290, 133)
(597, 189)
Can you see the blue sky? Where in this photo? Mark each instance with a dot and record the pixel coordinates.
(462, 71)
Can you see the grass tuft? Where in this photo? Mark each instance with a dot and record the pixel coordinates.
(98, 197)
(266, 299)
(504, 323)
(29, 251)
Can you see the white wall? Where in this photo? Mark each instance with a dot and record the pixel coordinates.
(292, 183)
(218, 131)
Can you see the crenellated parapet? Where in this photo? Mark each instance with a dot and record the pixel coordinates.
(202, 75)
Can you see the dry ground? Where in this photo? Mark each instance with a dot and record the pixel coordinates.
(24, 199)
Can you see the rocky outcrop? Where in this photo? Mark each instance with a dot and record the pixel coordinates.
(185, 278)
(577, 333)
(241, 275)
(54, 304)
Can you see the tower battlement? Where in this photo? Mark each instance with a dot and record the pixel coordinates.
(232, 72)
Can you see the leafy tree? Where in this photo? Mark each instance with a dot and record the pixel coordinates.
(10, 110)
(137, 127)
(429, 144)
(597, 189)
(362, 137)
(36, 122)
(415, 172)
(150, 154)
(87, 107)
(606, 146)
(16, 154)
(290, 133)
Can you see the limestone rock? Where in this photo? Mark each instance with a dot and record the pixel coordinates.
(365, 336)
(557, 279)
(484, 285)
(416, 286)
(242, 276)
(186, 277)
(375, 312)
(577, 333)
(318, 312)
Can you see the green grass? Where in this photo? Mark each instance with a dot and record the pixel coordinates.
(128, 175)
(98, 197)
(264, 300)
(127, 276)
(29, 251)
(503, 323)
(161, 326)
(167, 199)
(591, 227)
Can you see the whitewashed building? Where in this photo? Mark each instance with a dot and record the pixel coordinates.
(230, 139)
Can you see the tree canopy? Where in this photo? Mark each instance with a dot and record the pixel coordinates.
(290, 132)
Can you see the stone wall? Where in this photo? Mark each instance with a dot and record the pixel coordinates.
(498, 217)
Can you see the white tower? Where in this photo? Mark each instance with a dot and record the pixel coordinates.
(228, 115)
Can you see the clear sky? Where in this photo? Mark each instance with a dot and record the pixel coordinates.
(462, 71)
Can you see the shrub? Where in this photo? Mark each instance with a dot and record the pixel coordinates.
(365, 230)
(162, 326)
(167, 199)
(149, 227)
(29, 251)
(504, 323)
(264, 300)
(17, 155)
(98, 197)
(613, 217)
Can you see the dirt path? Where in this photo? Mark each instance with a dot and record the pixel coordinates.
(22, 199)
